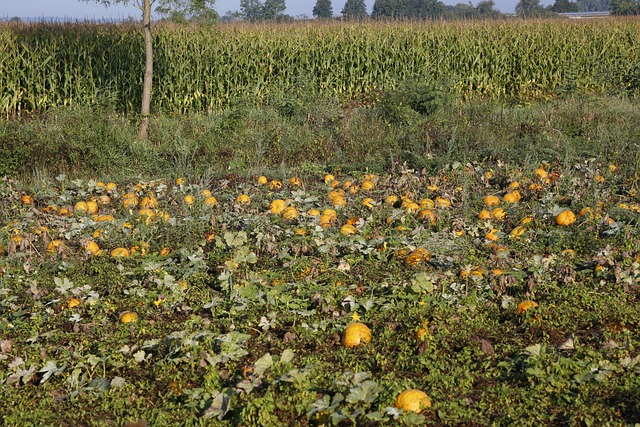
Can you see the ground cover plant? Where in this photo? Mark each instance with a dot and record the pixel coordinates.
(224, 301)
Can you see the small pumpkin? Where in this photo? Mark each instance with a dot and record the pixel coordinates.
(565, 218)
(413, 400)
(129, 317)
(290, 213)
(277, 206)
(243, 199)
(120, 253)
(355, 335)
(491, 200)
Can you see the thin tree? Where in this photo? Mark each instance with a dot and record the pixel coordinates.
(147, 82)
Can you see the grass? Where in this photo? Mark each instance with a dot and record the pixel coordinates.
(241, 311)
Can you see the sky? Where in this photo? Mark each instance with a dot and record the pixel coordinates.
(80, 10)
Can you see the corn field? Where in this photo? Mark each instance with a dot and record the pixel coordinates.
(204, 68)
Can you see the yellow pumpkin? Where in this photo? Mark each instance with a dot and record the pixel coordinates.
(26, 200)
(499, 214)
(484, 214)
(368, 202)
(367, 185)
(243, 199)
(295, 182)
(120, 253)
(149, 202)
(348, 230)
(129, 317)
(443, 202)
(355, 335)
(413, 400)
(512, 197)
(275, 184)
(525, 305)
(390, 200)
(491, 201)
(277, 206)
(73, 302)
(290, 213)
(565, 218)
(210, 201)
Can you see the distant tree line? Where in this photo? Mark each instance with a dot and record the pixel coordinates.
(274, 10)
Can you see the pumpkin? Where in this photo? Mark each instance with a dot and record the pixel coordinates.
(565, 218)
(541, 173)
(484, 214)
(73, 302)
(277, 206)
(427, 214)
(26, 200)
(92, 207)
(390, 200)
(512, 197)
(129, 317)
(129, 200)
(427, 204)
(327, 220)
(275, 184)
(491, 200)
(367, 185)
(81, 207)
(339, 201)
(92, 247)
(368, 202)
(295, 182)
(120, 252)
(348, 230)
(243, 199)
(290, 213)
(517, 232)
(525, 306)
(355, 335)
(54, 245)
(149, 202)
(210, 201)
(443, 202)
(499, 214)
(413, 400)
(411, 207)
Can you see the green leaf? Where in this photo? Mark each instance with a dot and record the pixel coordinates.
(421, 282)
(367, 392)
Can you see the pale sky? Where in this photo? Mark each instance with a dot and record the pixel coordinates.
(80, 10)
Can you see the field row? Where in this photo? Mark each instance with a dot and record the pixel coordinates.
(203, 69)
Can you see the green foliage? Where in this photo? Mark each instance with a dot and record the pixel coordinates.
(414, 98)
(625, 7)
(354, 9)
(323, 9)
(205, 70)
(180, 11)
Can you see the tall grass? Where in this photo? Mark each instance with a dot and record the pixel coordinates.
(203, 68)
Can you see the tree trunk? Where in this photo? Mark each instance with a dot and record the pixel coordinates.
(148, 71)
